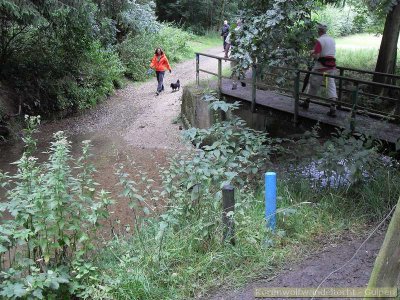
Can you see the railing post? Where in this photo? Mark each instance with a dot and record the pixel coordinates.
(254, 88)
(340, 85)
(296, 97)
(220, 75)
(354, 98)
(197, 69)
(228, 206)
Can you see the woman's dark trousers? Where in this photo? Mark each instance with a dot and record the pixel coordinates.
(160, 80)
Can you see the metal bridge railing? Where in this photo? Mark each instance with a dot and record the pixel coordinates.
(295, 77)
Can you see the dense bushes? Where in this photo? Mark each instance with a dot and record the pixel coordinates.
(100, 72)
(346, 20)
(52, 56)
(66, 56)
(51, 82)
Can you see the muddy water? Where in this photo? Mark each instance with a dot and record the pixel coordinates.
(107, 152)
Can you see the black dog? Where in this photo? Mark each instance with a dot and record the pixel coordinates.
(176, 86)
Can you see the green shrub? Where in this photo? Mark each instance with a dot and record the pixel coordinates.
(51, 82)
(56, 211)
(99, 73)
(175, 42)
(136, 53)
(53, 58)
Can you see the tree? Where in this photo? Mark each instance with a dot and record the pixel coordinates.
(275, 33)
(197, 15)
(15, 22)
(387, 57)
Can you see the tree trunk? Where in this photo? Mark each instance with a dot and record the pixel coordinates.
(388, 51)
(222, 14)
(386, 270)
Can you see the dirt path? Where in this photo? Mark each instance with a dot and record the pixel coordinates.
(313, 270)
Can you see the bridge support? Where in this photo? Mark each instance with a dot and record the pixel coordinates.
(254, 88)
(296, 94)
(354, 98)
(220, 76)
(341, 85)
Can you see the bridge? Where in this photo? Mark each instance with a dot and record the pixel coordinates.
(364, 106)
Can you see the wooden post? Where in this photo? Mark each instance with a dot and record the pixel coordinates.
(220, 75)
(254, 88)
(354, 97)
(386, 270)
(296, 98)
(197, 69)
(228, 205)
(340, 85)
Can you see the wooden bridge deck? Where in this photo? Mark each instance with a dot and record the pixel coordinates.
(379, 129)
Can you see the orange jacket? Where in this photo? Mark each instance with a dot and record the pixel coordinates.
(160, 64)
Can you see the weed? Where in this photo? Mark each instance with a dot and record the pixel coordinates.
(55, 216)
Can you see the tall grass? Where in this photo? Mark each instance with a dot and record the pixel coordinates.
(191, 268)
(364, 58)
(359, 51)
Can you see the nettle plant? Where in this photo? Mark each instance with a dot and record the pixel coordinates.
(226, 153)
(55, 211)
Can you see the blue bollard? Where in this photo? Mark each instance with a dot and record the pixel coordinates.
(270, 199)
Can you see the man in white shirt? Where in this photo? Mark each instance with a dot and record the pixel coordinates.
(324, 53)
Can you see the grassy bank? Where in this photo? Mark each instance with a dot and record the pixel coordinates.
(359, 51)
(202, 43)
(190, 267)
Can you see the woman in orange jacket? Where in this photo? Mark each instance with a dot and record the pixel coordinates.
(160, 64)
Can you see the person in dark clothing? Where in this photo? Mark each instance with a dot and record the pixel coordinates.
(224, 32)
